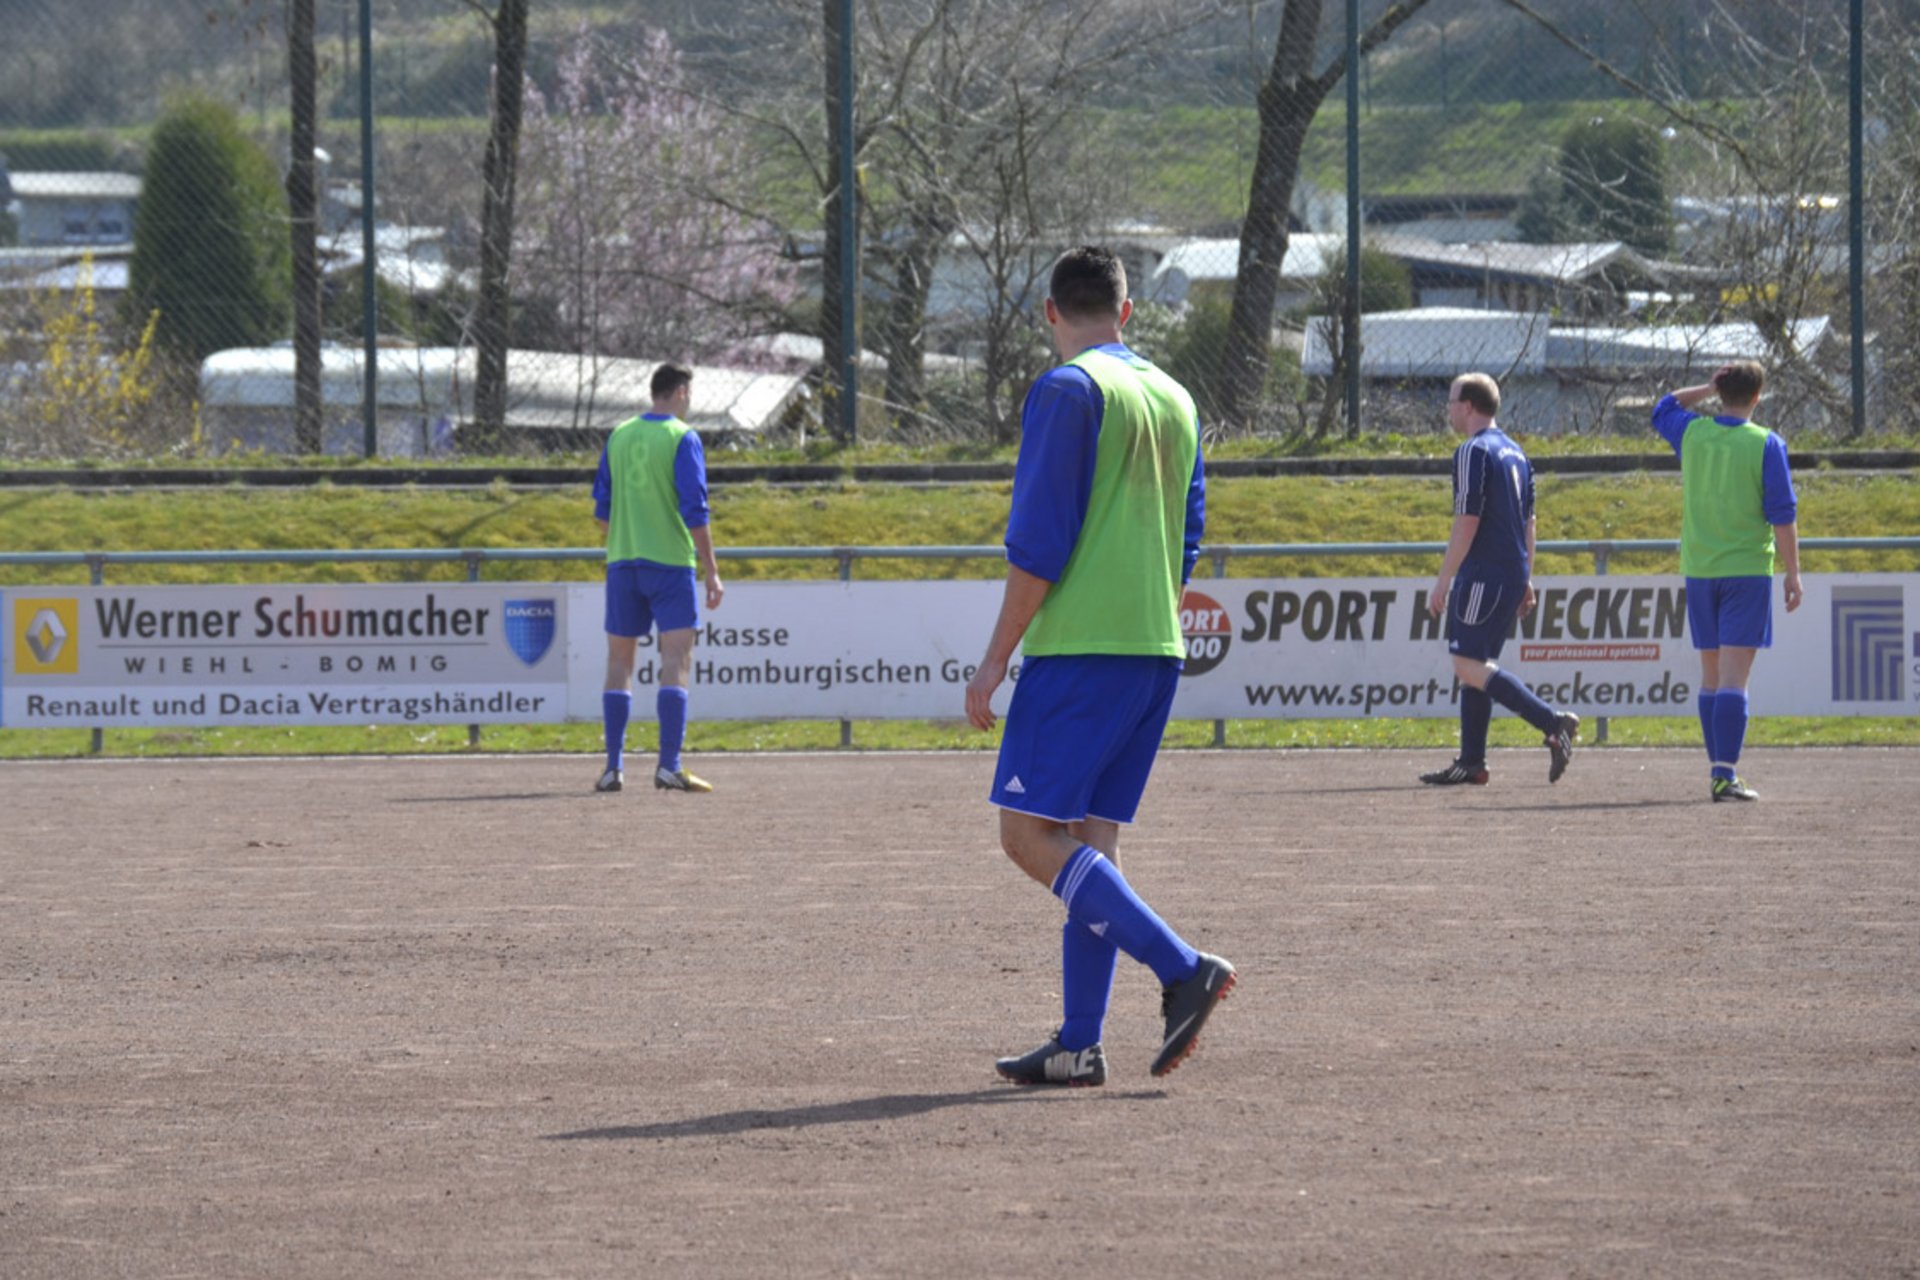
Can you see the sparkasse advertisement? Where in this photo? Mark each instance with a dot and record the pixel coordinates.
(811, 650)
(286, 653)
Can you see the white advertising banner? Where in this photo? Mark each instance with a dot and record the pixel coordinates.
(535, 652)
(1596, 645)
(810, 650)
(429, 653)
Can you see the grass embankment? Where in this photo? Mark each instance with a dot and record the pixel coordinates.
(1193, 164)
(1268, 510)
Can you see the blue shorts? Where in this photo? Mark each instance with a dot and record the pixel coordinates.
(642, 594)
(1730, 611)
(1082, 732)
(1480, 614)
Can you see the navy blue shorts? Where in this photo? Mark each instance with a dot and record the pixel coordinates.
(1730, 611)
(1480, 613)
(641, 595)
(1082, 732)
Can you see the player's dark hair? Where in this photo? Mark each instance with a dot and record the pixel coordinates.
(669, 378)
(1480, 392)
(1740, 382)
(1089, 283)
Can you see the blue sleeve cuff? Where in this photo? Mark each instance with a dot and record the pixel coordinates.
(1020, 559)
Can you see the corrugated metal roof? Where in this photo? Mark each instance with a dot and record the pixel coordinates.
(1675, 345)
(1436, 342)
(545, 389)
(74, 186)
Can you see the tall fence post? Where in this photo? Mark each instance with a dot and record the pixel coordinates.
(473, 559)
(846, 575)
(1219, 571)
(97, 574)
(1600, 552)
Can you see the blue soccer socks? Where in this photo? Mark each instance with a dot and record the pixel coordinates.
(1705, 702)
(1517, 698)
(1729, 730)
(1086, 978)
(1476, 712)
(670, 704)
(1099, 897)
(616, 705)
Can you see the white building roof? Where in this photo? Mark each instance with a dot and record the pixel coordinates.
(411, 259)
(1440, 342)
(1436, 342)
(1674, 346)
(806, 349)
(1196, 261)
(551, 390)
(106, 277)
(1559, 263)
(74, 186)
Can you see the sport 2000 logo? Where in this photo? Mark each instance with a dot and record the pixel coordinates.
(1208, 632)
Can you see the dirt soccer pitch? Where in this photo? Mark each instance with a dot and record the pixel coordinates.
(459, 1017)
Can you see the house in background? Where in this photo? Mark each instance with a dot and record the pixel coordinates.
(66, 209)
(556, 400)
(1554, 377)
(40, 271)
(1196, 271)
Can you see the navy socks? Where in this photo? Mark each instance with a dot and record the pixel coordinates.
(1520, 700)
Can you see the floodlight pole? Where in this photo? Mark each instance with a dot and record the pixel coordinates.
(369, 304)
(848, 231)
(1856, 211)
(1352, 319)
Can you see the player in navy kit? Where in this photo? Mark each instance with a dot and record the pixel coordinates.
(1486, 582)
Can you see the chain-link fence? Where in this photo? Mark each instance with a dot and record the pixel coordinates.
(1591, 201)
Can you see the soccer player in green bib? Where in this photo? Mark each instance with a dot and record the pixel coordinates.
(1109, 502)
(650, 498)
(1738, 510)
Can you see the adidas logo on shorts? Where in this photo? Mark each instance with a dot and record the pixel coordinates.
(1013, 786)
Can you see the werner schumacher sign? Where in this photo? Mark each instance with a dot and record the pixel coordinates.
(282, 654)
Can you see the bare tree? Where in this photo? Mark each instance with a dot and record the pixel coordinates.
(626, 235)
(833, 303)
(981, 82)
(1289, 97)
(951, 93)
(499, 175)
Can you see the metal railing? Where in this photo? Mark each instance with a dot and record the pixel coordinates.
(1217, 557)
